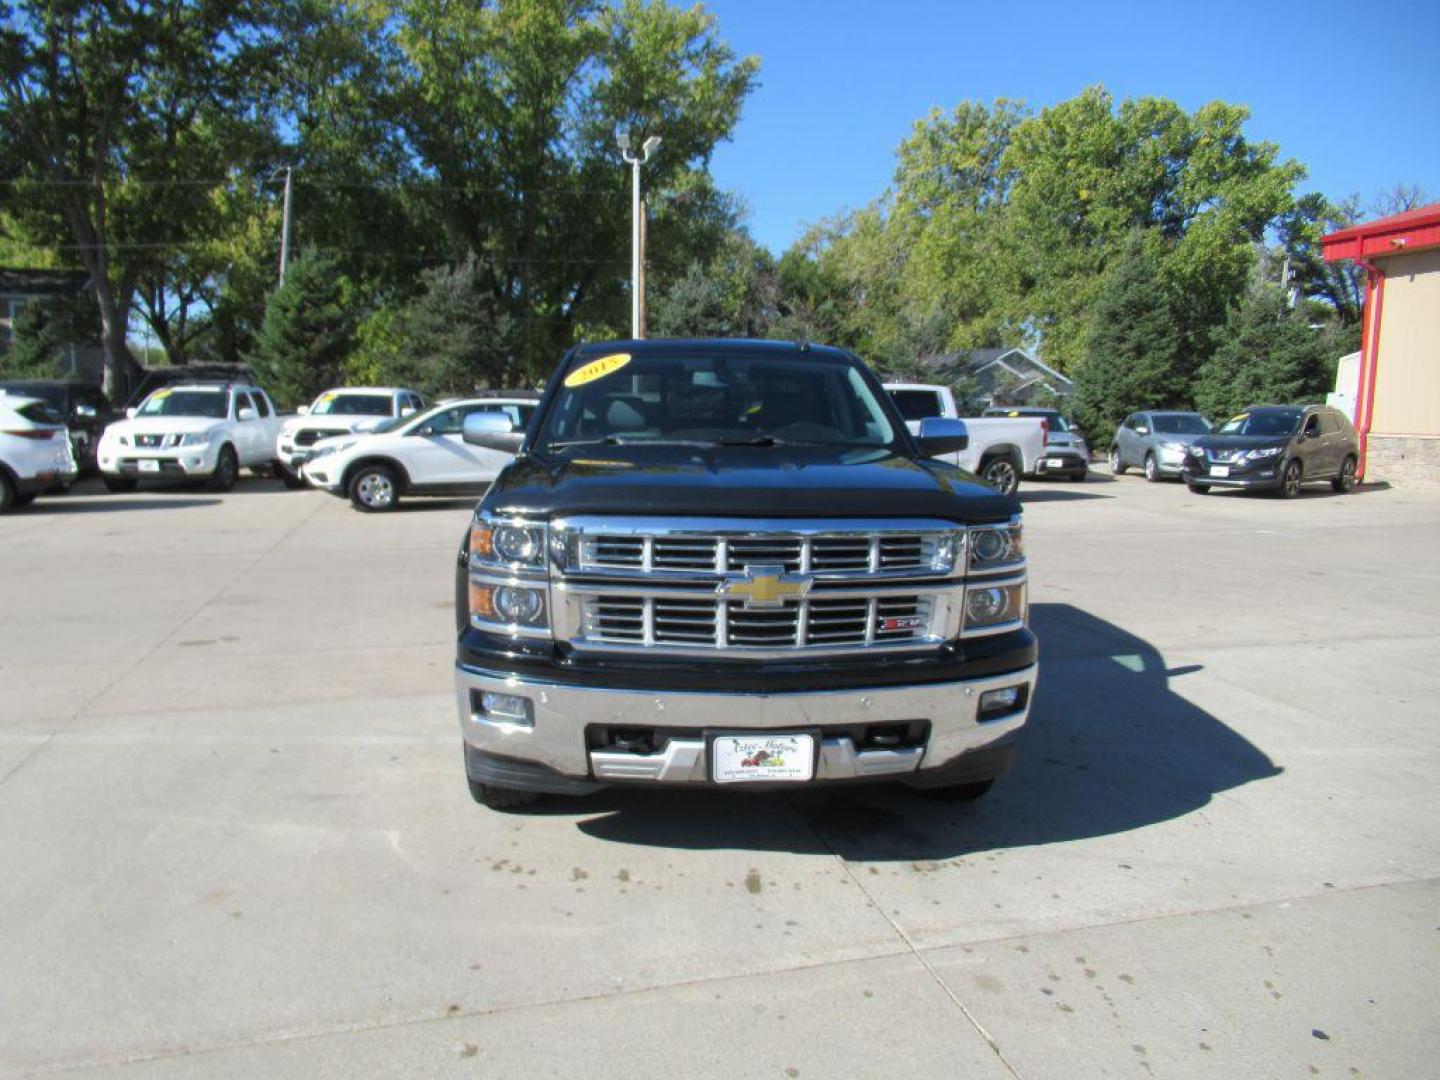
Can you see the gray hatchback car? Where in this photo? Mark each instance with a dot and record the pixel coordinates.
(1155, 442)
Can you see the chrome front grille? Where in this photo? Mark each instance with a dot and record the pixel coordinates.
(840, 553)
(710, 623)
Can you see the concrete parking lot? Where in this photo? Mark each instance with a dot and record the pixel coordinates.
(235, 838)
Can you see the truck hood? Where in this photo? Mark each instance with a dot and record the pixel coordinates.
(163, 425)
(743, 482)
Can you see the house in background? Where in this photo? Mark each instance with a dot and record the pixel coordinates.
(1397, 397)
(1003, 376)
(20, 288)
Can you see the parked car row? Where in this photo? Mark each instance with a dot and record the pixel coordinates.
(372, 445)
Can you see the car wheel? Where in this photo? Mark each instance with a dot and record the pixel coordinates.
(1152, 469)
(291, 479)
(501, 798)
(7, 493)
(960, 792)
(374, 489)
(118, 485)
(1344, 483)
(1290, 480)
(1117, 466)
(1198, 489)
(1000, 474)
(227, 468)
(18, 500)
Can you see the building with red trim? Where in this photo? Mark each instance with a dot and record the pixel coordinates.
(1397, 403)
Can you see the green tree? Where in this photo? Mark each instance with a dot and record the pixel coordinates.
(124, 119)
(43, 331)
(1265, 353)
(1135, 355)
(308, 331)
(732, 295)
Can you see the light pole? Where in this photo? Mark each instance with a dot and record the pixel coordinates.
(637, 254)
(284, 223)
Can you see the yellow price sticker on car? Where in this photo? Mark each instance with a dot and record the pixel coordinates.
(597, 369)
(161, 395)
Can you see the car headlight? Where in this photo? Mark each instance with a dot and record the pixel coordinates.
(1264, 452)
(995, 546)
(195, 438)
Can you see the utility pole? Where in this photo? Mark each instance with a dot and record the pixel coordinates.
(637, 236)
(285, 228)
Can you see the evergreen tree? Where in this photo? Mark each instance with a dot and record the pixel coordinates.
(455, 337)
(1134, 356)
(1265, 354)
(307, 333)
(44, 330)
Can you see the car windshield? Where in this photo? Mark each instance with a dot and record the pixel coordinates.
(917, 404)
(333, 404)
(1269, 422)
(1181, 424)
(211, 404)
(721, 399)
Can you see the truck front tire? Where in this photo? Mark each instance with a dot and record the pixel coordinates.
(501, 798)
(227, 468)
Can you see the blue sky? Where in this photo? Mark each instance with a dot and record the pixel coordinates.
(1350, 90)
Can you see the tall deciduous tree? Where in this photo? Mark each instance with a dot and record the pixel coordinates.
(125, 117)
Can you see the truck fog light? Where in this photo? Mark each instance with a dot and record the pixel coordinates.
(517, 604)
(506, 708)
(997, 703)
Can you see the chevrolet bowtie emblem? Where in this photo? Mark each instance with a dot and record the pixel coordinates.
(765, 586)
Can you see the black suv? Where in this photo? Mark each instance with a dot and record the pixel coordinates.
(80, 406)
(1276, 448)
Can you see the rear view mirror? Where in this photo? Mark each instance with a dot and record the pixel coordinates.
(492, 430)
(942, 435)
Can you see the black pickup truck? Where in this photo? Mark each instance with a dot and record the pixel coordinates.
(729, 563)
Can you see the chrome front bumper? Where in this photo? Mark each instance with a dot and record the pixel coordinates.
(556, 741)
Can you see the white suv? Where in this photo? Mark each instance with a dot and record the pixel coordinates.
(341, 411)
(35, 450)
(415, 455)
(209, 430)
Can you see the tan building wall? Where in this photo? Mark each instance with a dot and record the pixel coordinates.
(1407, 379)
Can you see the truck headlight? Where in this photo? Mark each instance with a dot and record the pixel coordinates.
(996, 546)
(195, 438)
(518, 545)
(994, 605)
(511, 606)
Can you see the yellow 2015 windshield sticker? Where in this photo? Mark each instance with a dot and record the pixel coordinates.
(597, 369)
(161, 395)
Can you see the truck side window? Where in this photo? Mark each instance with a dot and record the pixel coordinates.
(242, 401)
(262, 403)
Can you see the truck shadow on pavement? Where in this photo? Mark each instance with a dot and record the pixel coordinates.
(1109, 748)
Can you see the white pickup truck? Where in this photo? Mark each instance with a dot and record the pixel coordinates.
(1000, 450)
(200, 430)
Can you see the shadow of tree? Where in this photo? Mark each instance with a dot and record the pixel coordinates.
(1109, 748)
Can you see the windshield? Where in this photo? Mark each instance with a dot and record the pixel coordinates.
(917, 404)
(1181, 424)
(211, 404)
(724, 399)
(1270, 422)
(333, 404)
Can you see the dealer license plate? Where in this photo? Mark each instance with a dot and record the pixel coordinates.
(1219, 470)
(768, 756)
(148, 465)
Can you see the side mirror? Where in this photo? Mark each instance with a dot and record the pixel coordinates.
(85, 412)
(246, 413)
(303, 410)
(407, 410)
(492, 430)
(1142, 430)
(130, 412)
(942, 435)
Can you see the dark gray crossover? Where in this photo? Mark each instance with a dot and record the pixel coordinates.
(1276, 448)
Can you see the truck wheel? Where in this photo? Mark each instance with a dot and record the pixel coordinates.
(1001, 475)
(1198, 489)
(501, 798)
(227, 468)
(1152, 469)
(18, 500)
(1117, 466)
(7, 492)
(1345, 481)
(1290, 480)
(118, 485)
(961, 792)
(374, 489)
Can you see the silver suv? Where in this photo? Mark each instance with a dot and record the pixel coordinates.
(1156, 442)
